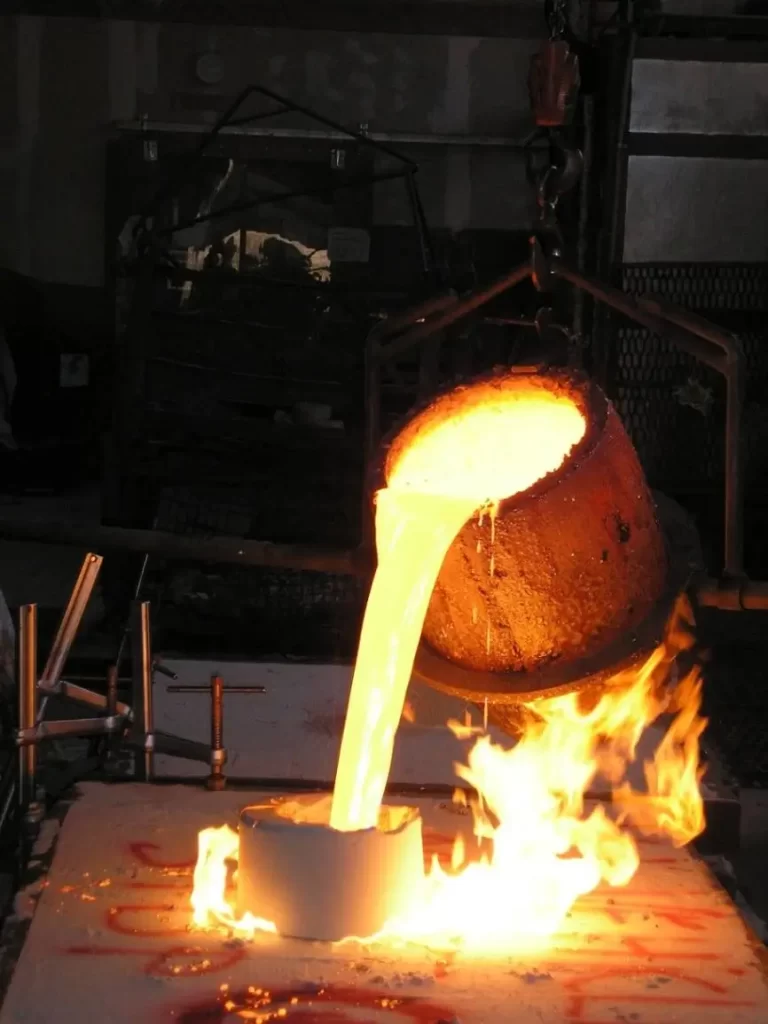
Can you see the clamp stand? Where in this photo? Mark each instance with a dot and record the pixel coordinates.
(119, 723)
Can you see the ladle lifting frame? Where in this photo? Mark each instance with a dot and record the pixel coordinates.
(694, 335)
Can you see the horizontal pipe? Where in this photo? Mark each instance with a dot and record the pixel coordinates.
(733, 595)
(329, 135)
(222, 550)
(225, 689)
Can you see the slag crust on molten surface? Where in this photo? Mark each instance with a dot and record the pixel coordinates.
(566, 568)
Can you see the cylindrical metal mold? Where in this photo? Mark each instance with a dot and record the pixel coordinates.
(564, 573)
(313, 882)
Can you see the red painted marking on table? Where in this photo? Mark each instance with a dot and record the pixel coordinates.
(143, 852)
(633, 894)
(639, 946)
(327, 1004)
(577, 998)
(437, 844)
(693, 919)
(116, 920)
(176, 962)
(643, 947)
(159, 886)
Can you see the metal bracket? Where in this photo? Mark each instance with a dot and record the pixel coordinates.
(119, 721)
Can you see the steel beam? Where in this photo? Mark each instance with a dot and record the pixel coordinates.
(400, 17)
(216, 550)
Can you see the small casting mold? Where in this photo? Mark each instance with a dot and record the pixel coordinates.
(316, 883)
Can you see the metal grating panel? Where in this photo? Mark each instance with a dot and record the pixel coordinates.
(702, 286)
(736, 704)
(673, 406)
(681, 447)
(249, 612)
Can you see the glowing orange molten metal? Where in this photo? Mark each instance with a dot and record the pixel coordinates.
(546, 849)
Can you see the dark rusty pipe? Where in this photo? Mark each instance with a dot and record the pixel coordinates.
(221, 550)
(399, 321)
(216, 780)
(638, 310)
(459, 309)
(717, 349)
(28, 700)
(733, 595)
(733, 371)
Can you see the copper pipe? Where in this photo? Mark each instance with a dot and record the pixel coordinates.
(112, 690)
(216, 780)
(27, 700)
(217, 716)
(733, 595)
(242, 690)
(142, 683)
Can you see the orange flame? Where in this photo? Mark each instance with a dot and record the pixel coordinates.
(546, 848)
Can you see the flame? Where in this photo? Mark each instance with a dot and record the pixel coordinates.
(547, 849)
(537, 844)
(216, 849)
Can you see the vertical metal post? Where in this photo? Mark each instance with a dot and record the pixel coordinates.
(111, 691)
(142, 684)
(372, 437)
(111, 711)
(27, 700)
(216, 780)
(733, 555)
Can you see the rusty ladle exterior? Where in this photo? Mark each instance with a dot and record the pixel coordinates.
(562, 571)
(566, 581)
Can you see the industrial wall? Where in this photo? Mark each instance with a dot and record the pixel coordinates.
(65, 85)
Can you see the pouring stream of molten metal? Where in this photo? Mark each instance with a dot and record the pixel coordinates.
(545, 851)
(492, 451)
